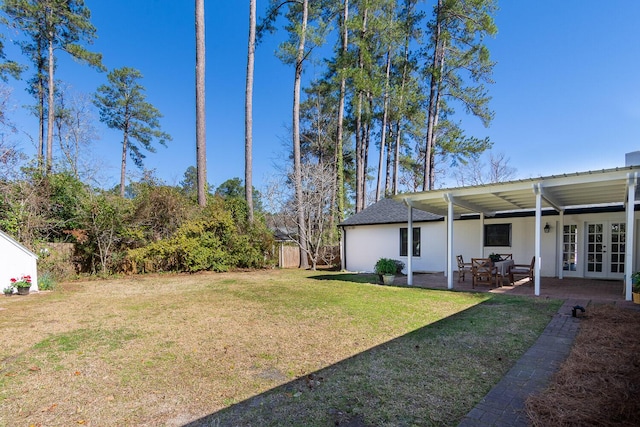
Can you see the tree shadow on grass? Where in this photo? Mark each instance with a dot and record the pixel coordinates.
(433, 375)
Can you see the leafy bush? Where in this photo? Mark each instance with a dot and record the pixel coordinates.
(635, 280)
(159, 211)
(57, 260)
(46, 282)
(388, 266)
(215, 241)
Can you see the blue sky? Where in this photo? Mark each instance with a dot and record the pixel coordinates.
(566, 95)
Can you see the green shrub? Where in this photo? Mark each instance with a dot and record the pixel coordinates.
(46, 282)
(388, 266)
(216, 240)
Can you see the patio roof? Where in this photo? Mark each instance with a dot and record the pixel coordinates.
(559, 192)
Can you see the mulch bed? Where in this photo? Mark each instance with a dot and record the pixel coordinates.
(599, 384)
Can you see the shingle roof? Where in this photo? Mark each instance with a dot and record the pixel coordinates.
(388, 211)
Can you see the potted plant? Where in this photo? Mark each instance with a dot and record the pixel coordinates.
(8, 291)
(22, 284)
(387, 269)
(635, 287)
(494, 257)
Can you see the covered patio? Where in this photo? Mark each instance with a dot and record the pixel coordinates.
(613, 187)
(610, 291)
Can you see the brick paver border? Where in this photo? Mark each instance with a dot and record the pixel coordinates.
(504, 404)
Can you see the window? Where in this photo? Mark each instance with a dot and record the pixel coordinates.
(497, 234)
(404, 241)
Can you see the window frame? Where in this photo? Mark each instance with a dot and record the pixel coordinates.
(497, 235)
(404, 241)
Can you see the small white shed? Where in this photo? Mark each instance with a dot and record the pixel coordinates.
(16, 261)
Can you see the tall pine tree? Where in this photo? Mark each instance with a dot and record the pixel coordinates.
(52, 25)
(123, 106)
(457, 68)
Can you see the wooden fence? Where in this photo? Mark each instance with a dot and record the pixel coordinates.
(289, 255)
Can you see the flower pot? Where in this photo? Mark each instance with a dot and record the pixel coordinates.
(388, 279)
(636, 297)
(23, 291)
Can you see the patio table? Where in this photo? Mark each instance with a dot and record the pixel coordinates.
(502, 268)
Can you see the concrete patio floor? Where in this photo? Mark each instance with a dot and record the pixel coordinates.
(550, 287)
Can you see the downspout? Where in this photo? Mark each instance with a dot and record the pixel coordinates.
(343, 249)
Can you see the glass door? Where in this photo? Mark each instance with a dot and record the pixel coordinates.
(605, 249)
(617, 242)
(570, 249)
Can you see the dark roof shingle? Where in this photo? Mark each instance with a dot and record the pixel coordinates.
(388, 211)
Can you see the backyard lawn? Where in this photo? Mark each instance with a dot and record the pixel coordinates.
(278, 347)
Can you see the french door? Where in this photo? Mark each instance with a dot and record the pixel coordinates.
(570, 250)
(605, 249)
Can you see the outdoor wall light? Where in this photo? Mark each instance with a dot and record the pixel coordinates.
(547, 228)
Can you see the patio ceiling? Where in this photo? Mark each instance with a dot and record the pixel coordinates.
(559, 192)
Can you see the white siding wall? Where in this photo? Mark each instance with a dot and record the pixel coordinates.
(16, 261)
(366, 244)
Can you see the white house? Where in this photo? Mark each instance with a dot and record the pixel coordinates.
(16, 261)
(575, 225)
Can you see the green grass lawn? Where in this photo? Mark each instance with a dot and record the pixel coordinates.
(279, 347)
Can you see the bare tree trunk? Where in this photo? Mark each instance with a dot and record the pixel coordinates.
(359, 155)
(433, 109)
(366, 139)
(390, 162)
(41, 131)
(385, 114)
(297, 167)
(337, 196)
(396, 156)
(51, 111)
(436, 116)
(332, 205)
(360, 140)
(123, 165)
(339, 136)
(396, 159)
(359, 143)
(201, 136)
(248, 113)
(432, 167)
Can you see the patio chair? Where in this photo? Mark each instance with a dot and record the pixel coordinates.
(483, 271)
(525, 270)
(503, 272)
(463, 267)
